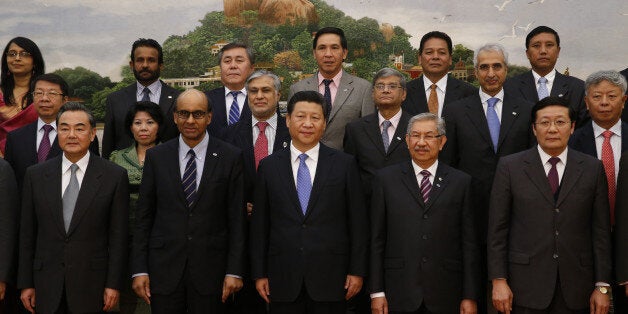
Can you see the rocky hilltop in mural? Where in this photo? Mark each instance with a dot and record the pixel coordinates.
(274, 12)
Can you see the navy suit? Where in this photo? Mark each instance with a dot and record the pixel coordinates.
(416, 102)
(219, 126)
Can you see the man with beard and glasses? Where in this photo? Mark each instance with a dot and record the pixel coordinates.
(147, 61)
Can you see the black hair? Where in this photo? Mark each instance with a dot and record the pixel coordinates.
(330, 30)
(147, 42)
(54, 79)
(7, 83)
(307, 96)
(542, 29)
(436, 34)
(153, 110)
(552, 101)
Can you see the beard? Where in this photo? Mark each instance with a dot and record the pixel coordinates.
(144, 79)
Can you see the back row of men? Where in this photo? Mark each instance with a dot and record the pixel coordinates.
(310, 239)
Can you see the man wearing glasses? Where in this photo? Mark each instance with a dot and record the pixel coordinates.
(188, 248)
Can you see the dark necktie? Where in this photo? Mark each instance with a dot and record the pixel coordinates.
(385, 138)
(260, 148)
(493, 121)
(552, 175)
(304, 183)
(327, 97)
(189, 179)
(44, 145)
(432, 102)
(69, 197)
(608, 159)
(146, 94)
(234, 110)
(426, 186)
(543, 92)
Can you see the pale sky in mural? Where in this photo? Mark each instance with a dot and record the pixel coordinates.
(97, 34)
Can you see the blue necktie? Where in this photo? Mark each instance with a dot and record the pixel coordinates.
(146, 96)
(234, 111)
(304, 183)
(385, 125)
(327, 97)
(543, 92)
(189, 179)
(493, 121)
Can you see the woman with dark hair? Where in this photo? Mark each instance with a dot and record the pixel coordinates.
(22, 62)
(142, 122)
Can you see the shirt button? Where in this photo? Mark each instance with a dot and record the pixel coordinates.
(425, 216)
(555, 256)
(424, 237)
(424, 259)
(189, 238)
(556, 232)
(557, 210)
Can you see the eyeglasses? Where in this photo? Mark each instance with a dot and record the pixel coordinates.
(14, 54)
(546, 124)
(486, 67)
(51, 94)
(184, 114)
(425, 137)
(381, 87)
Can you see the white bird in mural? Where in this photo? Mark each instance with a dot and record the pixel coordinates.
(514, 34)
(536, 1)
(442, 19)
(503, 5)
(527, 27)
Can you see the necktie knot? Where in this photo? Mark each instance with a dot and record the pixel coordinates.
(327, 82)
(386, 124)
(146, 94)
(47, 128)
(553, 161)
(542, 80)
(492, 102)
(73, 169)
(426, 173)
(303, 157)
(433, 87)
(607, 134)
(261, 125)
(191, 153)
(234, 93)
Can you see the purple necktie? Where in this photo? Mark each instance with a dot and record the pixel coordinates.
(552, 175)
(44, 146)
(426, 186)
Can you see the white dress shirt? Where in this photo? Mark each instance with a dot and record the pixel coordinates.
(560, 166)
(498, 106)
(40, 132)
(155, 91)
(200, 150)
(394, 121)
(66, 173)
(550, 80)
(311, 161)
(229, 100)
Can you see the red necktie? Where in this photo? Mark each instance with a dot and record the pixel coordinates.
(261, 144)
(609, 167)
(552, 175)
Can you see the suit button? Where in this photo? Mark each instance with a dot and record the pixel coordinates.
(424, 259)
(425, 216)
(424, 237)
(557, 210)
(189, 238)
(556, 232)
(66, 240)
(555, 256)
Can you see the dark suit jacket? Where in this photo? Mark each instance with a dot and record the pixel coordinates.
(208, 239)
(621, 221)
(363, 140)
(9, 220)
(469, 147)
(354, 100)
(116, 136)
(583, 139)
(92, 255)
(241, 135)
(21, 150)
(572, 88)
(534, 239)
(416, 102)
(423, 252)
(624, 114)
(318, 249)
(219, 127)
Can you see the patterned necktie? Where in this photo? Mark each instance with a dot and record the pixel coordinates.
(69, 197)
(608, 159)
(146, 94)
(304, 183)
(327, 97)
(234, 110)
(426, 186)
(552, 175)
(493, 121)
(543, 92)
(44, 146)
(385, 138)
(189, 179)
(432, 103)
(260, 149)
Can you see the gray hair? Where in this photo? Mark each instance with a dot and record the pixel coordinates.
(77, 106)
(491, 47)
(387, 72)
(427, 116)
(260, 73)
(610, 76)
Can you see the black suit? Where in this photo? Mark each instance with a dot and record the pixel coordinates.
(621, 222)
(583, 139)
(219, 126)
(92, 254)
(363, 140)
(570, 87)
(116, 136)
(316, 250)
(9, 222)
(202, 243)
(416, 102)
(624, 114)
(21, 150)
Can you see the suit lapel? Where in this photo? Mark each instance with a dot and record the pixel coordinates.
(533, 167)
(624, 136)
(528, 87)
(89, 189)
(440, 181)
(422, 100)
(31, 142)
(212, 156)
(573, 171)
(409, 180)
(560, 87)
(452, 91)
(166, 99)
(282, 137)
(285, 175)
(510, 113)
(400, 133)
(372, 130)
(52, 174)
(344, 90)
(475, 113)
(323, 168)
(588, 140)
(174, 172)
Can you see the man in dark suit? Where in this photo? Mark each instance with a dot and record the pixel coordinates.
(189, 240)
(376, 140)
(542, 49)
(624, 115)
(309, 232)
(435, 88)
(347, 97)
(481, 129)
(229, 103)
(147, 61)
(425, 260)
(549, 241)
(37, 142)
(621, 227)
(9, 220)
(73, 245)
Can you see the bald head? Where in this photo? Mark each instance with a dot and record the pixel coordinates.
(195, 96)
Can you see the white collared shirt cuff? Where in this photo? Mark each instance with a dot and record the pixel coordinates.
(602, 284)
(234, 276)
(139, 274)
(378, 295)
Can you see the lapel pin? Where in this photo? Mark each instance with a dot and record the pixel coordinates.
(398, 138)
(514, 113)
(560, 95)
(215, 154)
(440, 179)
(169, 97)
(285, 144)
(437, 185)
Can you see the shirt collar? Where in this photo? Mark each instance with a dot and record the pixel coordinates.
(485, 97)
(272, 121)
(598, 130)
(153, 87)
(227, 91)
(81, 163)
(200, 149)
(550, 76)
(336, 79)
(394, 120)
(545, 156)
(41, 123)
(431, 169)
(312, 153)
(441, 84)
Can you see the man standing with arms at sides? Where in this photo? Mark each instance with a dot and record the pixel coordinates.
(435, 88)
(542, 50)
(147, 61)
(481, 129)
(230, 101)
(189, 241)
(9, 222)
(347, 97)
(549, 240)
(309, 231)
(624, 115)
(74, 225)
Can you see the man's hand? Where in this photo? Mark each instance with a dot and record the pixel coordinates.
(353, 284)
(502, 296)
(599, 303)
(263, 288)
(28, 299)
(379, 305)
(249, 208)
(468, 306)
(111, 297)
(141, 286)
(229, 286)
(3, 289)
